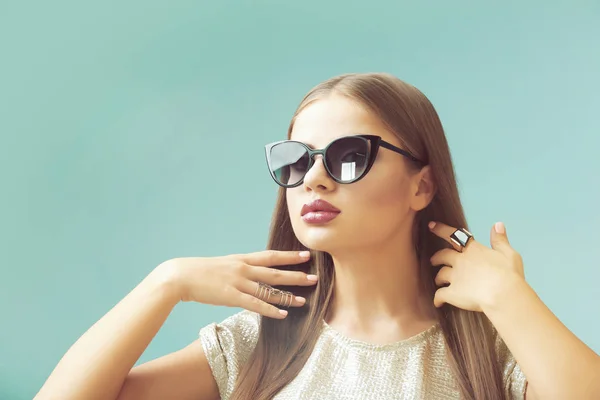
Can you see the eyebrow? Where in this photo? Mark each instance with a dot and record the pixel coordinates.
(302, 141)
(312, 146)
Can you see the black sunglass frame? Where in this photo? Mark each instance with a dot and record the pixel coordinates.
(375, 141)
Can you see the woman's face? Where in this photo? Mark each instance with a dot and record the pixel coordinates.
(374, 210)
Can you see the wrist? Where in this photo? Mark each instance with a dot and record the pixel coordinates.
(505, 291)
(164, 279)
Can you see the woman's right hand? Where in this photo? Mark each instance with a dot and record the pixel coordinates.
(233, 280)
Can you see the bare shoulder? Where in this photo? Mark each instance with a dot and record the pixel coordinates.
(184, 374)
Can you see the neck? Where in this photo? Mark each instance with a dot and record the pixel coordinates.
(379, 285)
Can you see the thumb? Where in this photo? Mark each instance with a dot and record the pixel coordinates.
(499, 239)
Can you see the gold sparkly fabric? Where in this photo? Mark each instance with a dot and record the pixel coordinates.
(344, 368)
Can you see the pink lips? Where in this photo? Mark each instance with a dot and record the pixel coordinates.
(318, 212)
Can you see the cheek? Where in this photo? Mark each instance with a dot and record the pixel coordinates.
(387, 204)
(382, 208)
(294, 203)
(389, 193)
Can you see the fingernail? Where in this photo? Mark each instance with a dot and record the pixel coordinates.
(304, 254)
(300, 299)
(283, 312)
(431, 225)
(313, 278)
(499, 227)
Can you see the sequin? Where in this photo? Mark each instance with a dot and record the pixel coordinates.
(343, 368)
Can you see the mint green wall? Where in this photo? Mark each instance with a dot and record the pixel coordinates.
(111, 114)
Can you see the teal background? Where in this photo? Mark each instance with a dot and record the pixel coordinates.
(132, 132)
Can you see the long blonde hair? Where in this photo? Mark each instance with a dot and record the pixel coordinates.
(284, 345)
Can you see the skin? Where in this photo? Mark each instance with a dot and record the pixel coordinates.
(370, 241)
(491, 280)
(100, 363)
(376, 293)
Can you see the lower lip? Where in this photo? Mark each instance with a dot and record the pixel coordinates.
(319, 217)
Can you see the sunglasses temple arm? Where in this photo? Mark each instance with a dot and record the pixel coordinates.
(398, 150)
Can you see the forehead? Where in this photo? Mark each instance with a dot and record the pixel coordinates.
(335, 116)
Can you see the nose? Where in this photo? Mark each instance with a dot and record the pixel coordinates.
(317, 178)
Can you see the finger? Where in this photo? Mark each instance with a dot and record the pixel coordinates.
(251, 303)
(270, 258)
(499, 239)
(445, 232)
(440, 297)
(444, 276)
(444, 257)
(277, 277)
(272, 296)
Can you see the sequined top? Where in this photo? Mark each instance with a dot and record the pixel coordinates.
(344, 368)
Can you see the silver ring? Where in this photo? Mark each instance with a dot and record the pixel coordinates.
(460, 238)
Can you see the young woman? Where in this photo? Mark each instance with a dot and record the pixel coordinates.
(392, 297)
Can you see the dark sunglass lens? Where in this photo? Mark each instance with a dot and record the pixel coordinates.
(289, 162)
(347, 158)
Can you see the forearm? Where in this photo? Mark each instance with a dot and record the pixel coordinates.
(96, 366)
(556, 363)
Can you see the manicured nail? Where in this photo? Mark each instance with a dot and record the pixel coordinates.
(499, 227)
(300, 299)
(431, 225)
(313, 278)
(283, 312)
(304, 254)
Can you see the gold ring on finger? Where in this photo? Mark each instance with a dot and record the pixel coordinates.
(261, 290)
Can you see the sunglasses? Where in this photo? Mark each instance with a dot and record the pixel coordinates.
(346, 159)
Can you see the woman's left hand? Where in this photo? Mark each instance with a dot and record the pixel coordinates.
(476, 275)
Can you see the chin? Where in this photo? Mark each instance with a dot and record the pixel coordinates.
(320, 238)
